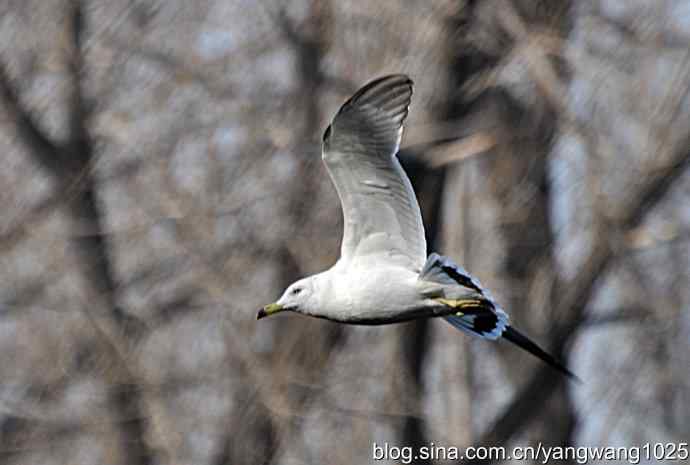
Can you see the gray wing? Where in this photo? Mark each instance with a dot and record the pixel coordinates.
(380, 210)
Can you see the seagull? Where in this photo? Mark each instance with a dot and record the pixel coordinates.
(383, 274)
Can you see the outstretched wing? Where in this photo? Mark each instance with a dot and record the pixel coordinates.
(380, 210)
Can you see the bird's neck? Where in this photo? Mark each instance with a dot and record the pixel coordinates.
(331, 300)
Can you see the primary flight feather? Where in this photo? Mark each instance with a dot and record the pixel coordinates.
(383, 274)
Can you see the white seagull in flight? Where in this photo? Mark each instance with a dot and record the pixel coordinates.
(383, 274)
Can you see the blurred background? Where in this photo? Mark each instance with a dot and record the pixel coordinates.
(161, 180)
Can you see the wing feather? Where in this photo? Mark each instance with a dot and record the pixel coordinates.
(380, 210)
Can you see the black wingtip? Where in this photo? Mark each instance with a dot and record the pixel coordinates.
(513, 335)
(388, 81)
(389, 96)
(383, 89)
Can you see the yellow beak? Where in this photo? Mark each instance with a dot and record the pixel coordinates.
(269, 310)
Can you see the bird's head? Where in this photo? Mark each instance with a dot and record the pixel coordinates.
(298, 297)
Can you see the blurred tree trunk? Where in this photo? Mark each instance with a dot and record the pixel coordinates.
(302, 346)
(518, 175)
(428, 185)
(71, 164)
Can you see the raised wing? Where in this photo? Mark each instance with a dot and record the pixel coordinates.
(379, 206)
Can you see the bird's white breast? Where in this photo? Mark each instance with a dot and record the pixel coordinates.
(366, 291)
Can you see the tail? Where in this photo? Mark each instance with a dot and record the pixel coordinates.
(477, 312)
(516, 337)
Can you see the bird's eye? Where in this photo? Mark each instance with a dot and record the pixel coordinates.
(296, 291)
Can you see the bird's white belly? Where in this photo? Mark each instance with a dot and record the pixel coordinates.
(373, 295)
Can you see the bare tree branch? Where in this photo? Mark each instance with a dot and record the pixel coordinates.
(67, 163)
(45, 151)
(577, 294)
